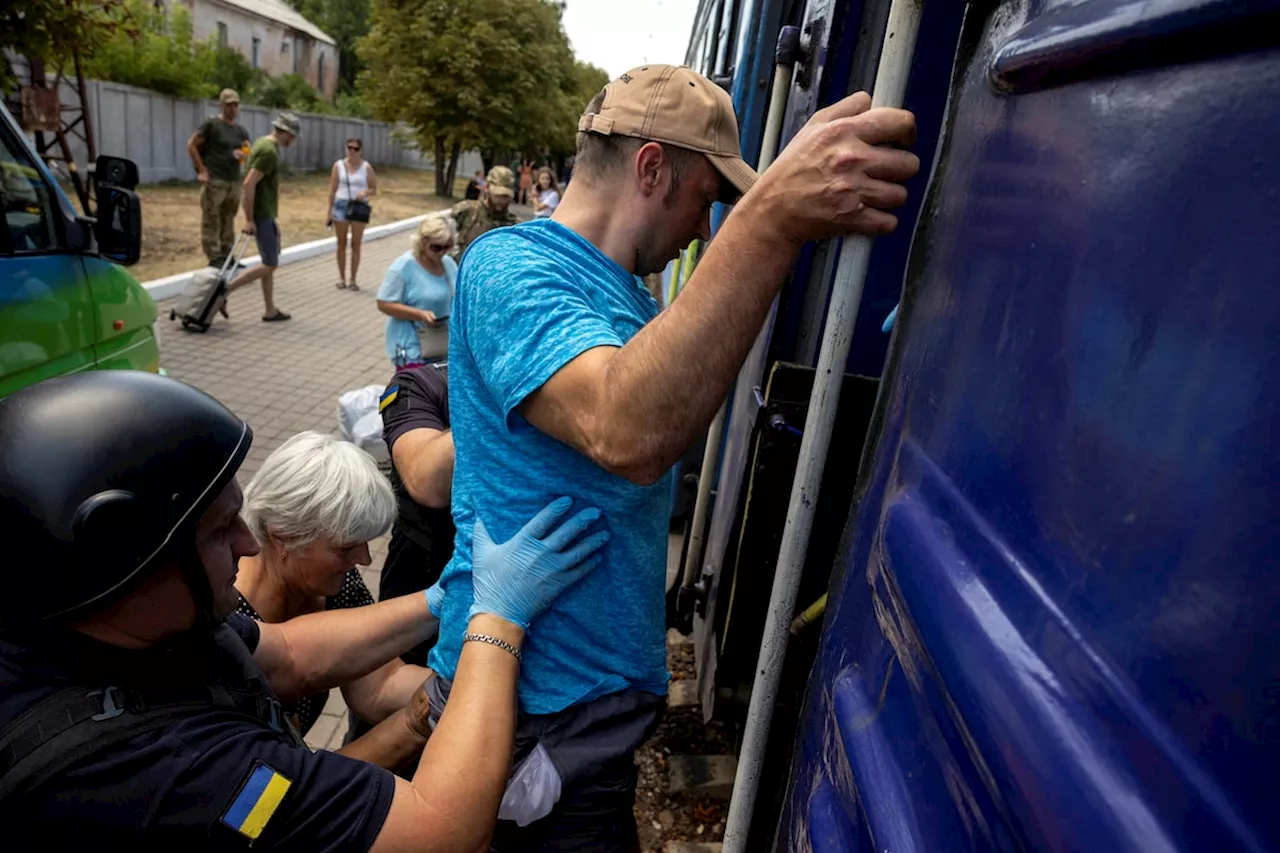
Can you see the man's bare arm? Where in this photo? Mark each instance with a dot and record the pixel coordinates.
(318, 651)
(193, 151)
(250, 190)
(384, 691)
(634, 410)
(452, 803)
(424, 459)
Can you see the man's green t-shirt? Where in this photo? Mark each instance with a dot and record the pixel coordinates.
(221, 141)
(265, 157)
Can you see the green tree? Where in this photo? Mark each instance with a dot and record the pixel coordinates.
(291, 92)
(232, 71)
(582, 85)
(155, 50)
(347, 21)
(44, 31)
(487, 74)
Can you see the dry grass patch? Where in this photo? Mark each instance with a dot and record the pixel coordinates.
(171, 214)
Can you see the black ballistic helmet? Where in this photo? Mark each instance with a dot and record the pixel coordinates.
(100, 473)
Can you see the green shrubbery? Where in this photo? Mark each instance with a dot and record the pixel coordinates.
(155, 50)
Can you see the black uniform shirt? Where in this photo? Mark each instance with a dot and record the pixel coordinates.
(209, 782)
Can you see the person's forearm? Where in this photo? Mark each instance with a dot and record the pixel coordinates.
(400, 311)
(464, 768)
(661, 390)
(428, 473)
(389, 744)
(332, 648)
(384, 691)
(247, 203)
(194, 153)
(399, 688)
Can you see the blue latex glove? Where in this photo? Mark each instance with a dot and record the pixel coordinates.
(435, 599)
(519, 578)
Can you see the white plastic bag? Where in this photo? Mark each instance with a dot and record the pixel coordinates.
(532, 791)
(360, 423)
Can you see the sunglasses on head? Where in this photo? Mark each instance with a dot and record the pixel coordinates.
(440, 247)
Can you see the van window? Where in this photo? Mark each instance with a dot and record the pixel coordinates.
(29, 209)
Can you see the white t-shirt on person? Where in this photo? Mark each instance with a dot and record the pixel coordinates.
(550, 200)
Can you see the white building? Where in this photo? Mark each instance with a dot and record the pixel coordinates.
(272, 35)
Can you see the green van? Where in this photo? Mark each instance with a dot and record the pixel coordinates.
(66, 304)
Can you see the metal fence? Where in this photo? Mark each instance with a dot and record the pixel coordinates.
(152, 130)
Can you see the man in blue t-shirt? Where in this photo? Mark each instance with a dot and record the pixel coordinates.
(565, 381)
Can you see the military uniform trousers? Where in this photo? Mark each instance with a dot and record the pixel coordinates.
(219, 201)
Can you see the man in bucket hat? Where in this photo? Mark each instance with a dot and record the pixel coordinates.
(261, 210)
(217, 149)
(491, 210)
(563, 382)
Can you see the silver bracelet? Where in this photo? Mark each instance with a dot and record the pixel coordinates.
(494, 641)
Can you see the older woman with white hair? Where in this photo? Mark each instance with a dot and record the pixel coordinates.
(313, 506)
(416, 294)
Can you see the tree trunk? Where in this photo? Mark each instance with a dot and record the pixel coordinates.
(453, 166)
(441, 186)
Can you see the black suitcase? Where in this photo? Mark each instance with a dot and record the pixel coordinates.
(206, 294)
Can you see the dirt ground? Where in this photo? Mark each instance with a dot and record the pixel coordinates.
(171, 214)
(663, 817)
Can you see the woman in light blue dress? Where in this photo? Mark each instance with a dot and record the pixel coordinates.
(416, 295)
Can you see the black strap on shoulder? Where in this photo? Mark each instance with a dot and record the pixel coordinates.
(77, 722)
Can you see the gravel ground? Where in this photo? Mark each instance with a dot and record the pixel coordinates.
(664, 817)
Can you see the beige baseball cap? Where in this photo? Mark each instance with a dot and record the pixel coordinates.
(228, 96)
(677, 105)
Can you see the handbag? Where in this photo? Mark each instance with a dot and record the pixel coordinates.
(358, 210)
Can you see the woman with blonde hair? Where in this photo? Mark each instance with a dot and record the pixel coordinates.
(416, 295)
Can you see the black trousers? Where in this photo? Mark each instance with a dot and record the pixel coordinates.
(411, 568)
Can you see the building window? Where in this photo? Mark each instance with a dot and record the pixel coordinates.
(297, 58)
(222, 34)
(320, 73)
(257, 49)
(284, 46)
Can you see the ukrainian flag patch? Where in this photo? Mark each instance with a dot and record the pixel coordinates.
(259, 797)
(388, 397)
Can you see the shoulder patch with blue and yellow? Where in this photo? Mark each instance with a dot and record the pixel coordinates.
(388, 397)
(260, 795)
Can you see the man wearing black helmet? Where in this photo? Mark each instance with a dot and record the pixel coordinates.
(134, 713)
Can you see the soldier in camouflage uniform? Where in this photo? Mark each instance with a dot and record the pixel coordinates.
(492, 210)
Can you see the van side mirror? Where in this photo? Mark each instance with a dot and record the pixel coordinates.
(118, 210)
(116, 171)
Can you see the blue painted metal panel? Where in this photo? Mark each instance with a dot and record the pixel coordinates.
(1056, 621)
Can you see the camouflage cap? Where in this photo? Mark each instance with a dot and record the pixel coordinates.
(500, 181)
(287, 122)
(228, 96)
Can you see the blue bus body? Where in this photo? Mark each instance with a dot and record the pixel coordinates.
(1054, 618)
